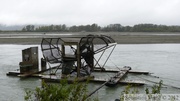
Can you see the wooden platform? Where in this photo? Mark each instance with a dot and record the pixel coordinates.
(53, 78)
(116, 70)
(32, 74)
(13, 73)
(27, 74)
(119, 76)
(17, 72)
(114, 80)
(56, 79)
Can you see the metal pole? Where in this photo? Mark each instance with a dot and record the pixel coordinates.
(109, 56)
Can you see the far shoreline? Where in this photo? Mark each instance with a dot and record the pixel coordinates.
(120, 37)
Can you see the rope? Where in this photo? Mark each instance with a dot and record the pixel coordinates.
(115, 64)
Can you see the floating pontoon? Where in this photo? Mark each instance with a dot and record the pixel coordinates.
(74, 58)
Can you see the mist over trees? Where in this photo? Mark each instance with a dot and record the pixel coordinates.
(96, 28)
(29, 28)
(10, 28)
(109, 28)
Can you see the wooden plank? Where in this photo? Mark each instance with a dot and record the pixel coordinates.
(139, 72)
(115, 71)
(115, 79)
(53, 78)
(27, 74)
(17, 73)
(56, 79)
(13, 73)
(132, 82)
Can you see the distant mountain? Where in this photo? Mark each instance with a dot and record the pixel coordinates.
(11, 28)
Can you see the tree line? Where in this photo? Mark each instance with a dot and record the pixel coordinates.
(108, 28)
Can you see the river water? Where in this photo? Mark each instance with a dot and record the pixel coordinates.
(163, 60)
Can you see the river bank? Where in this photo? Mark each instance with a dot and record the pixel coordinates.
(120, 37)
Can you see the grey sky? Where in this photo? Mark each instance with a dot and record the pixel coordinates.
(77, 12)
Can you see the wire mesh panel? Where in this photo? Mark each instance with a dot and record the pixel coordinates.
(51, 50)
(94, 44)
(56, 50)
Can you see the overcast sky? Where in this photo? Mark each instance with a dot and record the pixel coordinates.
(83, 12)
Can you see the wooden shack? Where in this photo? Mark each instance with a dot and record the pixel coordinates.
(30, 61)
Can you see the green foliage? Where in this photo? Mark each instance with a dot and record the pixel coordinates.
(154, 90)
(87, 28)
(128, 90)
(58, 92)
(29, 28)
(52, 28)
(77, 92)
(28, 96)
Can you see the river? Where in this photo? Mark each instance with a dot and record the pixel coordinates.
(163, 60)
